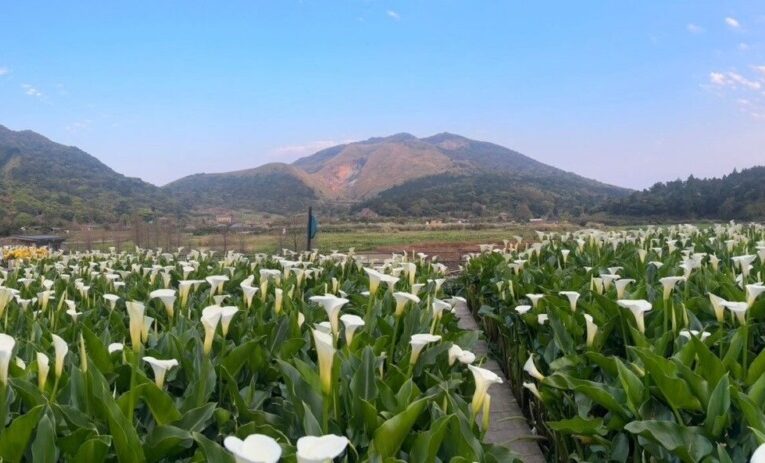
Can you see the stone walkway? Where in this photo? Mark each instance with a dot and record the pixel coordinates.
(508, 425)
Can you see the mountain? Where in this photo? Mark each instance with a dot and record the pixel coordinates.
(272, 188)
(385, 175)
(44, 181)
(738, 195)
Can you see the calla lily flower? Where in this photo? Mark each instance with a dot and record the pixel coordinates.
(689, 333)
(184, 288)
(483, 380)
(226, 314)
(532, 387)
(43, 298)
(739, 309)
(5, 297)
(457, 353)
(759, 455)
(326, 353)
(522, 309)
(43, 367)
(249, 293)
(638, 307)
(6, 353)
(74, 314)
(112, 300)
(60, 348)
(332, 305)
(160, 368)
(278, 300)
(718, 305)
(530, 368)
(351, 323)
(535, 298)
(147, 322)
(210, 317)
(216, 283)
(374, 279)
(752, 292)
(312, 449)
(255, 448)
(621, 286)
(592, 329)
(402, 299)
(167, 296)
(115, 347)
(418, 342)
(572, 297)
(136, 313)
(438, 308)
(668, 284)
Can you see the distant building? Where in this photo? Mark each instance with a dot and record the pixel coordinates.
(50, 241)
(224, 219)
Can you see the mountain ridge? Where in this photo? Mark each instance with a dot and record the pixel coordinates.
(39, 177)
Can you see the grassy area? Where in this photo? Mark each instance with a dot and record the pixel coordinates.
(362, 239)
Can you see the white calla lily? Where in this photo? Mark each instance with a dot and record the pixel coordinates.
(6, 353)
(255, 448)
(312, 449)
(160, 367)
(638, 307)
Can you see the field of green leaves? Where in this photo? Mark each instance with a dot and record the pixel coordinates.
(632, 346)
(189, 356)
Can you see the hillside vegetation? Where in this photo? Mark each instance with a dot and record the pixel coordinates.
(42, 180)
(738, 195)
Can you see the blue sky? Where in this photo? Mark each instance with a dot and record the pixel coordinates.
(625, 92)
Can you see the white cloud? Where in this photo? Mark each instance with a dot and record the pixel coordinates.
(743, 46)
(4, 71)
(741, 80)
(694, 28)
(393, 15)
(732, 22)
(717, 78)
(745, 89)
(31, 90)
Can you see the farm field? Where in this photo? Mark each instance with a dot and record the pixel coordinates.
(362, 239)
(635, 345)
(197, 356)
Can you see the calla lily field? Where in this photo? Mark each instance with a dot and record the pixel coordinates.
(641, 345)
(179, 355)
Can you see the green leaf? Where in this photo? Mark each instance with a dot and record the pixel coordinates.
(44, 445)
(631, 385)
(93, 450)
(126, 441)
(166, 441)
(97, 352)
(391, 434)
(364, 382)
(196, 419)
(664, 374)
(427, 443)
(311, 426)
(686, 442)
(211, 450)
(579, 426)
(15, 438)
(717, 408)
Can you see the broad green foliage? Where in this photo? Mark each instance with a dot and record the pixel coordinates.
(158, 356)
(654, 350)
